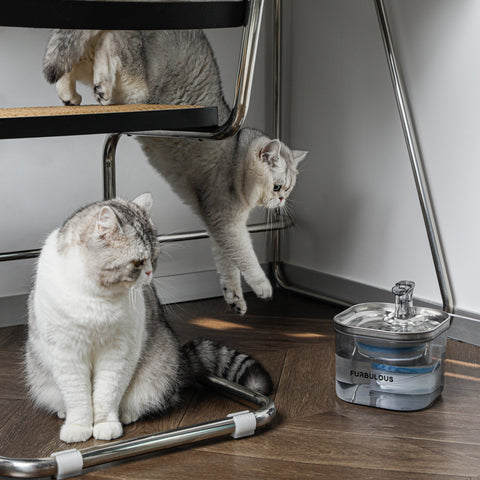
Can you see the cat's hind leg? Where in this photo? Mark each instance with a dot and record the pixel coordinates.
(105, 69)
(230, 280)
(43, 387)
(156, 383)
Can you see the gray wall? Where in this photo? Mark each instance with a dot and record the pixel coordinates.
(357, 212)
(44, 180)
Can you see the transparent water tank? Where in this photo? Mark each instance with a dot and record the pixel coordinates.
(391, 356)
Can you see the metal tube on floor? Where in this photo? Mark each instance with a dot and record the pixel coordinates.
(123, 449)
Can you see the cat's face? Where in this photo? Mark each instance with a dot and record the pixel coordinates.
(282, 165)
(122, 250)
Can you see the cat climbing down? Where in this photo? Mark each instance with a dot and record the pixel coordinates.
(99, 351)
(222, 180)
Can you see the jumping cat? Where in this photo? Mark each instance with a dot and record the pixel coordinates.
(99, 351)
(222, 180)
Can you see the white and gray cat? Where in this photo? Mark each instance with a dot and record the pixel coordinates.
(222, 180)
(99, 351)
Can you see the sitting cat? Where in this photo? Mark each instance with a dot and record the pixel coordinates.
(99, 351)
(222, 180)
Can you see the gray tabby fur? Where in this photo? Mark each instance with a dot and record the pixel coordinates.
(221, 180)
(99, 351)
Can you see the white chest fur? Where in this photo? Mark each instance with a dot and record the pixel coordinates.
(72, 311)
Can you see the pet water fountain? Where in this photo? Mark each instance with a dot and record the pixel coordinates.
(391, 356)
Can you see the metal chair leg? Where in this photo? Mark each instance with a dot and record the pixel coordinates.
(415, 160)
(71, 462)
(109, 177)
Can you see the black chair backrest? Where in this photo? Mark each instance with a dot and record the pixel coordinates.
(112, 15)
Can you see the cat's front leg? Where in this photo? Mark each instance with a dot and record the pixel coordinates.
(113, 371)
(230, 280)
(73, 379)
(236, 245)
(105, 70)
(259, 282)
(66, 89)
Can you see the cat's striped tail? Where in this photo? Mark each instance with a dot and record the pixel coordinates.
(209, 357)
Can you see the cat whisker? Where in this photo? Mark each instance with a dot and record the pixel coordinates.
(171, 245)
(166, 254)
(163, 295)
(168, 301)
(269, 222)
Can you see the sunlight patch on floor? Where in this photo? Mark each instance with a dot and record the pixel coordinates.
(463, 377)
(306, 335)
(216, 324)
(463, 364)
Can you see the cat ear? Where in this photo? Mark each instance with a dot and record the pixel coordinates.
(298, 156)
(144, 201)
(269, 153)
(106, 221)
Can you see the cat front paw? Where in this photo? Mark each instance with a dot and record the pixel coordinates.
(263, 288)
(235, 301)
(107, 430)
(72, 433)
(102, 94)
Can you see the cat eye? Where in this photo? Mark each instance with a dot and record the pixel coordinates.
(138, 263)
(276, 188)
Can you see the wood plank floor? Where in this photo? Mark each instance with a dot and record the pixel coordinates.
(314, 436)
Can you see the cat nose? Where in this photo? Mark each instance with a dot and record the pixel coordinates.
(148, 273)
(281, 199)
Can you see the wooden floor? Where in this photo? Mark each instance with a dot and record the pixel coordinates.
(315, 436)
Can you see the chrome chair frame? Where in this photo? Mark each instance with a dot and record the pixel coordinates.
(243, 86)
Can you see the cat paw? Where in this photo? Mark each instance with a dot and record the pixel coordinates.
(66, 91)
(72, 433)
(102, 95)
(74, 99)
(262, 289)
(129, 417)
(235, 301)
(239, 307)
(107, 430)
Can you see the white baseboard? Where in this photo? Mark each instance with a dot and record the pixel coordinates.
(199, 285)
(13, 310)
(188, 286)
(171, 289)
